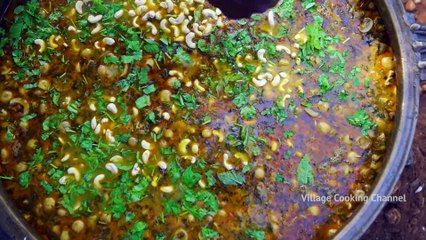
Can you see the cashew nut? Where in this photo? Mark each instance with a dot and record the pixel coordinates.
(276, 81)
(79, 7)
(108, 41)
(178, 20)
(154, 29)
(146, 145)
(41, 43)
(226, 163)
(97, 181)
(118, 14)
(168, 4)
(135, 169)
(65, 158)
(112, 168)
(183, 145)
(97, 29)
(149, 15)
(163, 26)
(259, 82)
(261, 55)
(145, 156)
(271, 18)
(140, 2)
(116, 158)
(74, 171)
(94, 19)
(185, 28)
(112, 108)
(189, 40)
(210, 13)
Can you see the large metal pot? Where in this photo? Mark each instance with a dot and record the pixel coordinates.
(398, 28)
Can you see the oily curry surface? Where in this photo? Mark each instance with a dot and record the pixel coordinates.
(167, 120)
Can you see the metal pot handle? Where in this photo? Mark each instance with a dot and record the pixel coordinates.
(419, 47)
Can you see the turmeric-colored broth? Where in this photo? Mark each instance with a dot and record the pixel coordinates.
(167, 120)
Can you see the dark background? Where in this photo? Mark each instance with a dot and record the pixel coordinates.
(407, 220)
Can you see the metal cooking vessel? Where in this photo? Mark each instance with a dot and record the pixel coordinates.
(398, 27)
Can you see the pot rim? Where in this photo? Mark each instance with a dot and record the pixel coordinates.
(399, 149)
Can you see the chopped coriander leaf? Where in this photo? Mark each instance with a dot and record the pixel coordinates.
(353, 75)
(189, 177)
(304, 171)
(151, 47)
(47, 187)
(206, 120)
(73, 108)
(30, 86)
(149, 89)
(307, 104)
(28, 117)
(160, 237)
(342, 95)
(151, 117)
(285, 10)
(361, 119)
(248, 112)
(170, 207)
(256, 234)
(211, 180)
(247, 168)
(185, 100)
(7, 177)
(287, 155)
(279, 178)
(277, 111)
(198, 213)
(182, 56)
(323, 82)
(137, 231)
(137, 192)
(231, 178)
(282, 32)
(24, 179)
(367, 82)
(9, 135)
(256, 17)
(143, 102)
(318, 40)
(236, 43)
(202, 45)
(207, 233)
(126, 59)
(309, 4)
(111, 59)
(288, 134)
(130, 216)
(240, 99)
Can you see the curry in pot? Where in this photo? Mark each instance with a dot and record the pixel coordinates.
(167, 120)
